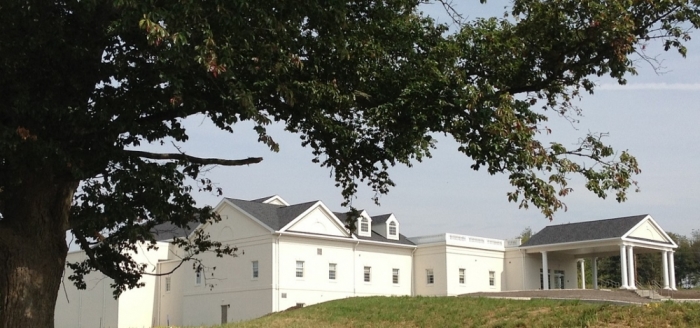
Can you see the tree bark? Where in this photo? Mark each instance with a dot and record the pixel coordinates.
(33, 249)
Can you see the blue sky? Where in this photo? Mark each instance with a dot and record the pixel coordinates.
(654, 117)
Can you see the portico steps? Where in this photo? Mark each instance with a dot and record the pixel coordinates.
(651, 294)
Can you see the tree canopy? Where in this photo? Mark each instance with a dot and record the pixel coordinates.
(366, 84)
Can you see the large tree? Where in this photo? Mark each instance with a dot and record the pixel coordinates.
(366, 84)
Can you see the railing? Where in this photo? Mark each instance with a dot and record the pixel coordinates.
(514, 242)
(606, 283)
(461, 240)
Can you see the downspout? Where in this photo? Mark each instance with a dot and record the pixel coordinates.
(413, 271)
(80, 309)
(354, 268)
(102, 318)
(522, 267)
(277, 282)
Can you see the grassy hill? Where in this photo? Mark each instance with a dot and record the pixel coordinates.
(405, 312)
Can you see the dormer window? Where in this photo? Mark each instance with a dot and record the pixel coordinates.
(392, 229)
(364, 225)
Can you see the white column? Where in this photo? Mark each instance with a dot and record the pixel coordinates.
(595, 272)
(672, 271)
(630, 267)
(583, 274)
(623, 266)
(664, 257)
(545, 272)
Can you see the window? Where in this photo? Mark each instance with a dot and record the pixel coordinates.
(198, 278)
(392, 228)
(395, 276)
(331, 271)
(167, 284)
(255, 269)
(364, 225)
(300, 269)
(461, 276)
(368, 274)
(492, 278)
(430, 276)
(319, 251)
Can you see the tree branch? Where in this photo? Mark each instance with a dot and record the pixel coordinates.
(196, 160)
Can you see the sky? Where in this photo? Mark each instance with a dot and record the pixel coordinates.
(655, 117)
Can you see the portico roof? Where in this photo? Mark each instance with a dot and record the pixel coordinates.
(640, 230)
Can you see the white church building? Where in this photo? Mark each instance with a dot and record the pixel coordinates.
(302, 254)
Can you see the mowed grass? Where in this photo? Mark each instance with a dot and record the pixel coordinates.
(405, 312)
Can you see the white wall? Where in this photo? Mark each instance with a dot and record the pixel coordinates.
(93, 307)
(446, 261)
(136, 305)
(350, 259)
(430, 257)
(477, 264)
(231, 283)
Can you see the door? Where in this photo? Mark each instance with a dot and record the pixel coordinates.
(224, 314)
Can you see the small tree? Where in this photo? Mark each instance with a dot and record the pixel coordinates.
(525, 235)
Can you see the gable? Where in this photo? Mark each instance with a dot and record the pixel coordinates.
(234, 224)
(318, 221)
(649, 231)
(276, 200)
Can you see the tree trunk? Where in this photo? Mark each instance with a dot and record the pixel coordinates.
(33, 249)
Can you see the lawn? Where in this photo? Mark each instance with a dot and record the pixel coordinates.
(405, 312)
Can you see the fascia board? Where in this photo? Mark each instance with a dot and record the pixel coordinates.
(572, 245)
(636, 242)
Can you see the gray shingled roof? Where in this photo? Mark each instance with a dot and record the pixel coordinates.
(583, 231)
(273, 216)
(167, 230)
(380, 218)
(260, 200)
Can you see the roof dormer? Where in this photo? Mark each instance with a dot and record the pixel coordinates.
(387, 225)
(392, 230)
(364, 225)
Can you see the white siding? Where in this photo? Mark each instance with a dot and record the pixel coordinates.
(231, 283)
(136, 305)
(430, 257)
(477, 264)
(93, 307)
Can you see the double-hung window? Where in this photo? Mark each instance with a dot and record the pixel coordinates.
(300, 269)
(331, 271)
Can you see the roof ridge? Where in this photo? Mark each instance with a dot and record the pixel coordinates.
(581, 222)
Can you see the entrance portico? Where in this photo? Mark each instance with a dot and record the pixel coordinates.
(624, 236)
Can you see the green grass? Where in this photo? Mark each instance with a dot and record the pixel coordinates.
(405, 312)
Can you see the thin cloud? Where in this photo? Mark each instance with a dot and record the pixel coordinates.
(650, 86)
